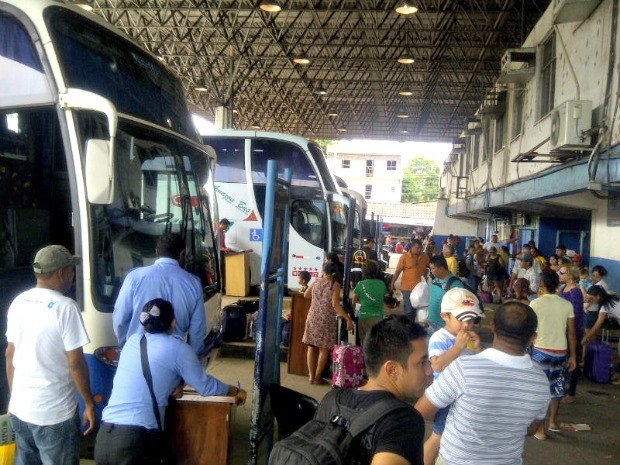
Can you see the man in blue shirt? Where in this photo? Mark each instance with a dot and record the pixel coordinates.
(443, 281)
(164, 279)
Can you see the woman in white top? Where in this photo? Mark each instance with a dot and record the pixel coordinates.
(608, 306)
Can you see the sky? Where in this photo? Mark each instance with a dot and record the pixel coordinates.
(433, 150)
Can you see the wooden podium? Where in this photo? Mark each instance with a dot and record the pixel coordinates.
(198, 429)
(297, 364)
(237, 279)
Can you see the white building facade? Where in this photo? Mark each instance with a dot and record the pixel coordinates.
(377, 177)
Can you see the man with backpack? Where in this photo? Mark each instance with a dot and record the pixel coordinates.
(374, 423)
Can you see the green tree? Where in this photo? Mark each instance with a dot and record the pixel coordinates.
(420, 181)
(323, 143)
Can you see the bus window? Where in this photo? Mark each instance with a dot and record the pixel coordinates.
(151, 198)
(286, 155)
(230, 159)
(93, 59)
(319, 159)
(22, 80)
(201, 258)
(308, 219)
(339, 213)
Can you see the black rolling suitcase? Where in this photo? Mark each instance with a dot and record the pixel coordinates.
(235, 317)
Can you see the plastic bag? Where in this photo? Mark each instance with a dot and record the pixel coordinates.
(421, 315)
(420, 295)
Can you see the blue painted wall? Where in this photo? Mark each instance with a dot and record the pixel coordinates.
(547, 232)
(613, 270)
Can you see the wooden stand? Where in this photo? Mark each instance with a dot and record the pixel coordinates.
(237, 279)
(198, 429)
(297, 364)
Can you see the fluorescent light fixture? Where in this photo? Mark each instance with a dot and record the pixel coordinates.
(405, 93)
(333, 115)
(404, 131)
(406, 8)
(201, 89)
(270, 7)
(406, 60)
(320, 91)
(342, 129)
(255, 126)
(402, 115)
(301, 60)
(85, 6)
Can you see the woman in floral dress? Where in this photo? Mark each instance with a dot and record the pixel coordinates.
(321, 326)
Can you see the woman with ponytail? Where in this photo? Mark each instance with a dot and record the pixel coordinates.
(131, 428)
(321, 324)
(607, 305)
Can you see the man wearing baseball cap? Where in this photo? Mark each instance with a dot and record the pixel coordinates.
(496, 397)
(45, 364)
(459, 308)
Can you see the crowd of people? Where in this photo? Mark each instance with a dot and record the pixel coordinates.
(439, 371)
(550, 308)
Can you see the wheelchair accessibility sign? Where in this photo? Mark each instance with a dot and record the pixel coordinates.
(256, 235)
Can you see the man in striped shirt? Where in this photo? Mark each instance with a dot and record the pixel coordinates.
(497, 397)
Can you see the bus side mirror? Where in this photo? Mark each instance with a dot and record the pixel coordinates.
(99, 172)
(99, 152)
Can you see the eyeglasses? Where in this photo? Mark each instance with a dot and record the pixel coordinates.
(562, 272)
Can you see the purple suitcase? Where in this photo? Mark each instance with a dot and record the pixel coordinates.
(348, 366)
(598, 362)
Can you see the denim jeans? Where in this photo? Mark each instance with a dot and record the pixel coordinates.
(408, 309)
(47, 445)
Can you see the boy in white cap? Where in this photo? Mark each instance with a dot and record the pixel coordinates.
(459, 308)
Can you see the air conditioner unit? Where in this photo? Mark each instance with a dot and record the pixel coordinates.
(474, 127)
(519, 219)
(568, 11)
(568, 123)
(458, 148)
(518, 65)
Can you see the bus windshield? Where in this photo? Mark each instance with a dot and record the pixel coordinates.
(319, 159)
(159, 181)
(93, 59)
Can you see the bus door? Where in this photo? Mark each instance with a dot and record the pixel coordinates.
(341, 218)
(307, 236)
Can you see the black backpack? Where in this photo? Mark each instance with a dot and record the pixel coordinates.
(327, 441)
(448, 285)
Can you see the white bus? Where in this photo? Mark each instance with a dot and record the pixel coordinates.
(319, 210)
(98, 152)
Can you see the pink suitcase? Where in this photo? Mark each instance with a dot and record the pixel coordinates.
(348, 366)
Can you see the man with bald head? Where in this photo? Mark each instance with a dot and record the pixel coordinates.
(496, 431)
